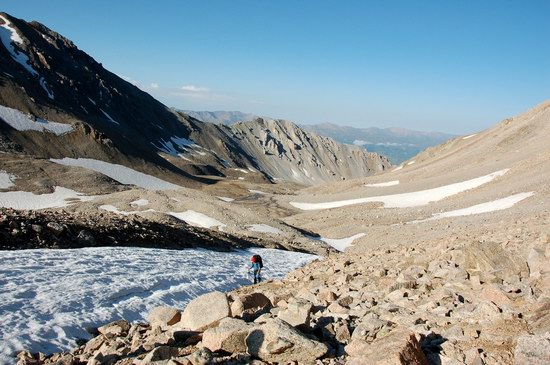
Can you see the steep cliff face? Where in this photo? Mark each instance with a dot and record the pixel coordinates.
(56, 101)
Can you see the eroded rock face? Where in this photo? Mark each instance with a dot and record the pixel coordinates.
(205, 311)
(277, 341)
(533, 349)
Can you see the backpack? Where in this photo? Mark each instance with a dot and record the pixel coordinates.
(258, 259)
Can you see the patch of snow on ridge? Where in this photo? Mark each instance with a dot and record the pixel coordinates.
(140, 202)
(398, 168)
(61, 197)
(470, 136)
(407, 200)
(169, 148)
(264, 228)
(380, 185)
(22, 122)
(339, 243)
(411, 162)
(108, 117)
(120, 173)
(197, 219)
(225, 199)
(113, 209)
(6, 180)
(9, 35)
(493, 206)
(49, 297)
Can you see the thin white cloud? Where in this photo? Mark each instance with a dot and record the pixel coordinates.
(154, 85)
(195, 89)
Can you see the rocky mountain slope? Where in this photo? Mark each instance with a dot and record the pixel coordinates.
(56, 101)
(221, 116)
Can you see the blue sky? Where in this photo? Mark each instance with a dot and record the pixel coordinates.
(451, 66)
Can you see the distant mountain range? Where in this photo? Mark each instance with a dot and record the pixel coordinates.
(397, 144)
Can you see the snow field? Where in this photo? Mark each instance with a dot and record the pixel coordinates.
(338, 243)
(9, 35)
(407, 200)
(22, 122)
(120, 173)
(198, 219)
(61, 197)
(49, 297)
(381, 185)
(493, 206)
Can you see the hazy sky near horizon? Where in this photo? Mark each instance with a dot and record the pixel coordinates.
(449, 66)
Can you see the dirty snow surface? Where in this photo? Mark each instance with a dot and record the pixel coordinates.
(49, 297)
(264, 228)
(61, 197)
(120, 173)
(407, 200)
(381, 185)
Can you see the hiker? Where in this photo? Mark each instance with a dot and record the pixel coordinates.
(256, 265)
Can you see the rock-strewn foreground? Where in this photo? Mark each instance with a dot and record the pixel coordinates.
(456, 301)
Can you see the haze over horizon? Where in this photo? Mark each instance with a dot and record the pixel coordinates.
(449, 67)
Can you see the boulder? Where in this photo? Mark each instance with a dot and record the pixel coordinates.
(249, 305)
(370, 329)
(160, 353)
(115, 329)
(533, 349)
(400, 346)
(164, 317)
(228, 336)
(297, 312)
(277, 341)
(205, 311)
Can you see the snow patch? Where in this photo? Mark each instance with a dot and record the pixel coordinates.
(398, 168)
(113, 209)
(225, 199)
(22, 122)
(92, 101)
(197, 219)
(120, 173)
(264, 228)
(46, 89)
(411, 162)
(407, 200)
(470, 136)
(493, 206)
(49, 297)
(61, 197)
(170, 146)
(108, 117)
(6, 180)
(140, 202)
(257, 192)
(242, 170)
(339, 243)
(380, 185)
(9, 35)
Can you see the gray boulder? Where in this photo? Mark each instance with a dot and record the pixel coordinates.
(297, 313)
(277, 341)
(205, 311)
(228, 336)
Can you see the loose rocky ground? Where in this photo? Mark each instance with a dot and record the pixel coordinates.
(455, 301)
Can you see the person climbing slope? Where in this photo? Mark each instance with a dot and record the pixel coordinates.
(256, 265)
